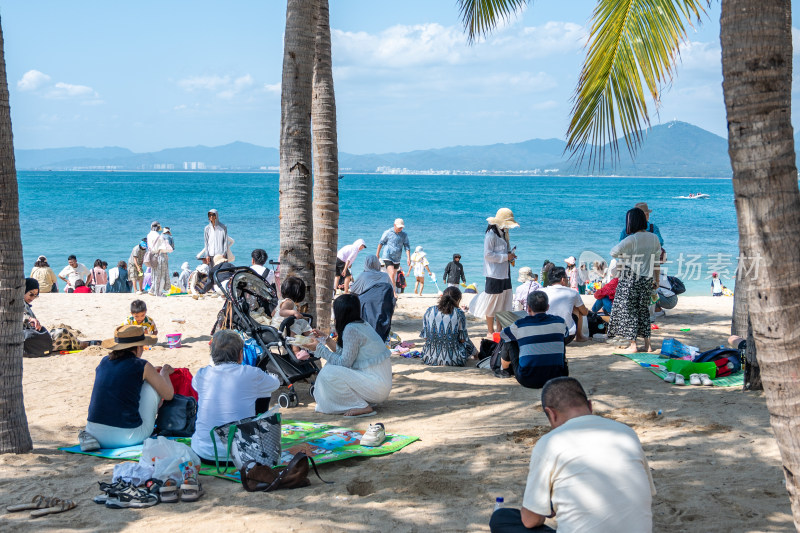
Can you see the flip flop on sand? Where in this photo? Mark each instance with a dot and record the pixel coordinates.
(361, 415)
(56, 506)
(38, 502)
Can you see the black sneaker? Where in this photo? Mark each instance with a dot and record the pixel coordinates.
(131, 498)
(108, 490)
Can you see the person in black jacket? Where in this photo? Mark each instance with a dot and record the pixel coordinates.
(454, 271)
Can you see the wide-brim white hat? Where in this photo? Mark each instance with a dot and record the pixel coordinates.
(504, 219)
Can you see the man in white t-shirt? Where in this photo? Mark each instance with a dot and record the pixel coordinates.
(566, 303)
(259, 260)
(589, 472)
(73, 272)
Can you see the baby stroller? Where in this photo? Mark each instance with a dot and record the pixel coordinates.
(248, 295)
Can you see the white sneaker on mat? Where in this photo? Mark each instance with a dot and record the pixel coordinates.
(679, 379)
(88, 442)
(694, 379)
(670, 377)
(705, 379)
(374, 435)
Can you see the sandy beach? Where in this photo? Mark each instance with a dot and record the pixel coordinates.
(715, 462)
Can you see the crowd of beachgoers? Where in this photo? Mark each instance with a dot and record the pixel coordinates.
(528, 330)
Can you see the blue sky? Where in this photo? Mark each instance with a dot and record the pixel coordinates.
(148, 75)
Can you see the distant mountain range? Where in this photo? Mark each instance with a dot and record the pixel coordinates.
(673, 149)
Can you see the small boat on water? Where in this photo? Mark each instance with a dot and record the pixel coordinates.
(697, 196)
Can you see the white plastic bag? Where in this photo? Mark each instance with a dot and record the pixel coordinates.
(170, 459)
(136, 473)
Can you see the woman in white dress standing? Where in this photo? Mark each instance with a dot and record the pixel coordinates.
(497, 257)
(357, 371)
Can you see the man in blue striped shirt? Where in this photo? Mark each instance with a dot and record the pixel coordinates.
(534, 345)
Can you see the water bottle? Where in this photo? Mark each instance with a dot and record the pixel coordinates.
(498, 503)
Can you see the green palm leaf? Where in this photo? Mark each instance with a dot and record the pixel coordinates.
(630, 41)
(481, 16)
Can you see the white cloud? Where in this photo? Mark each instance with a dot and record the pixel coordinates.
(273, 88)
(399, 46)
(225, 87)
(32, 80)
(68, 90)
(706, 57)
(40, 83)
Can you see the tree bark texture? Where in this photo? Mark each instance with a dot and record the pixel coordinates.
(741, 326)
(14, 435)
(296, 251)
(757, 70)
(326, 169)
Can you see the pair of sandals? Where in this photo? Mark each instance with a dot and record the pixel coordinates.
(694, 379)
(42, 506)
(189, 491)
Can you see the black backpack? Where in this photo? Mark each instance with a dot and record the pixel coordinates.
(732, 356)
(177, 417)
(596, 324)
(676, 285)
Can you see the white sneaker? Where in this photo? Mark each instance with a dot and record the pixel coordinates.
(694, 379)
(374, 435)
(679, 379)
(705, 380)
(88, 442)
(660, 313)
(670, 377)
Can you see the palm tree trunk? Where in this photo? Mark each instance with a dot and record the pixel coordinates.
(296, 251)
(757, 69)
(14, 435)
(326, 164)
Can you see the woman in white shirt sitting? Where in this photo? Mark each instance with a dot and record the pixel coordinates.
(357, 371)
(638, 257)
(227, 391)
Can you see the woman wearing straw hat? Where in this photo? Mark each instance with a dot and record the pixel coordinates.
(126, 393)
(530, 283)
(497, 256)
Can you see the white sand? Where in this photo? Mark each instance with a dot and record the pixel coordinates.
(715, 463)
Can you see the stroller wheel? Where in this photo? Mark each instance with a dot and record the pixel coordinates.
(284, 400)
(311, 391)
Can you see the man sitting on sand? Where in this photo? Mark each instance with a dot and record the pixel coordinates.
(589, 472)
(534, 345)
(73, 272)
(566, 303)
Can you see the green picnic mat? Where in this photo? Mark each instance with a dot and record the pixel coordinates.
(734, 380)
(328, 443)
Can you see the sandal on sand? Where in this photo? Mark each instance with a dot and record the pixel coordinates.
(169, 492)
(56, 506)
(191, 490)
(362, 415)
(38, 502)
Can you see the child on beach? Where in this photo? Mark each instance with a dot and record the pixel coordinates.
(81, 288)
(716, 285)
(454, 272)
(419, 264)
(98, 277)
(139, 318)
(293, 291)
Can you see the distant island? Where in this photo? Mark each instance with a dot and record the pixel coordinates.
(676, 149)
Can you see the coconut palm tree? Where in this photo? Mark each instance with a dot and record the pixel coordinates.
(756, 37)
(295, 184)
(326, 168)
(633, 47)
(14, 435)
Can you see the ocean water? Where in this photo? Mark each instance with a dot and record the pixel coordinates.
(104, 214)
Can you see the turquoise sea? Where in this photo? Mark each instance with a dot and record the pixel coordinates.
(103, 215)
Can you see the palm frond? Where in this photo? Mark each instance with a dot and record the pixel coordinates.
(630, 42)
(481, 16)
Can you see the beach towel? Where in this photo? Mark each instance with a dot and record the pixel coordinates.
(327, 443)
(734, 380)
